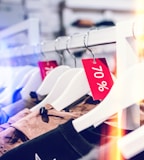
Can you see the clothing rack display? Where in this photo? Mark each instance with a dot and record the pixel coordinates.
(107, 36)
(95, 38)
(77, 126)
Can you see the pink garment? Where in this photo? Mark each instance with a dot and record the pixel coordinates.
(14, 119)
(32, 125)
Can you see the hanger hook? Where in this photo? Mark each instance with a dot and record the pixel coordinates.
(42, 53)
(59, 53)
(86, 38)
(67, 49)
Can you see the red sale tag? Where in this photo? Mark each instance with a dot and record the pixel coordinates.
(46, 67)
(99, 77)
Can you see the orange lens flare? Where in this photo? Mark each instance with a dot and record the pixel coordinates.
(139, 28)
(109, 147)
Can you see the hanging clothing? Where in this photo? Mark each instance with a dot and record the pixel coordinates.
(41, 121)
(14, 119)
(12, 109)
(61, 143)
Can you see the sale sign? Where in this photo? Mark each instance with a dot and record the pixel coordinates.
(99, 77)
(46, 67)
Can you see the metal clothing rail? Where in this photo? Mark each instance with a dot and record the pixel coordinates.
(96, 37)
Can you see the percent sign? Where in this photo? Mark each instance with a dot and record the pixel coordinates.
(102, 86)
(100, 74)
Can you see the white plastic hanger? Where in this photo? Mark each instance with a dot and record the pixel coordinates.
(3, 77)
(77, 88)
(23, 82)
(65, 85)
(58, 88)
(9, 75)
(132, 143)
(7, 98)
(128, 89)
(51, 79)
(32, 85)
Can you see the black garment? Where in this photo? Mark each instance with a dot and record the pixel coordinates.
(139, 156)
(105, 23)
(62, 143)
